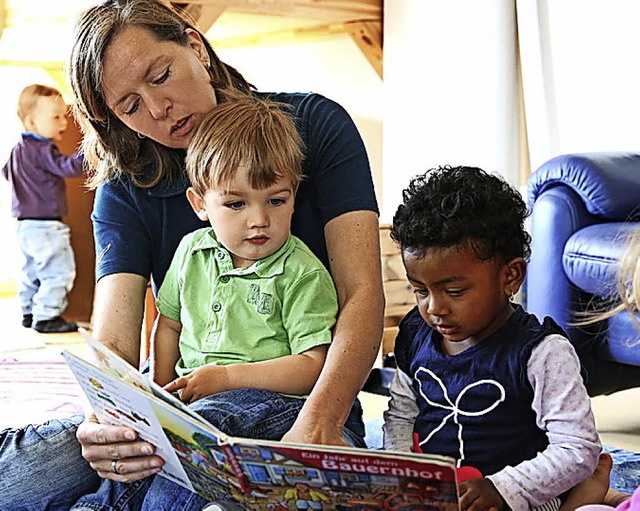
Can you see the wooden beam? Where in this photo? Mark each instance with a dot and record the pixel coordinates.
(283, 36)
(327, 10)
(368, 36)
(204, 15)
(208, 16)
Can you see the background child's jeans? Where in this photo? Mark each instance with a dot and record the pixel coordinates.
(249, 413)
(49, 268)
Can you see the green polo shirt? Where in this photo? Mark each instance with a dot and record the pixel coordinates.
(281, 305)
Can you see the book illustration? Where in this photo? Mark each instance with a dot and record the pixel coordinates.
(313, 477)
(114, 364)
(261, 475)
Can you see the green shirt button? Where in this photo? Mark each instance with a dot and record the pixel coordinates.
(217, 307)
(224, 279)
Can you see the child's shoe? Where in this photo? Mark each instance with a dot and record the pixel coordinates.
(27, 320)
(55, 325)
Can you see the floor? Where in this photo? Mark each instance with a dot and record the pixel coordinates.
(617, 416)
(16, 337)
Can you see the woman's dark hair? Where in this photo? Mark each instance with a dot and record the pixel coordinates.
(110, 147)
(452, 206)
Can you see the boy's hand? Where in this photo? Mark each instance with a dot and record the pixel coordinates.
(202, 382)
(480, 495)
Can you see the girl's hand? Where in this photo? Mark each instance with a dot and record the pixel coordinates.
(480, 495)
(202, 382)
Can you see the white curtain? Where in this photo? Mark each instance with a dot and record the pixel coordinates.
(454, 92)
(580, 75)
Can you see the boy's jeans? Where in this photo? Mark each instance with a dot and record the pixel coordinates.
(49, 268)
(42, 468)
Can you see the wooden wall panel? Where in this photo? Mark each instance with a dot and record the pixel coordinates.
(80, 201)
(397, 290)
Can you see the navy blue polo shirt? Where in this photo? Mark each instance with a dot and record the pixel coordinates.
(137, 230)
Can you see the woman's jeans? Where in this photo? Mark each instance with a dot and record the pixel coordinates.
(41, 468)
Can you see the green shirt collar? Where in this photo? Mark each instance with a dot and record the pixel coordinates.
(268, 267)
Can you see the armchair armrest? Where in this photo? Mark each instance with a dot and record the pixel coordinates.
(607, 182)
(567, 194)
(556, 215)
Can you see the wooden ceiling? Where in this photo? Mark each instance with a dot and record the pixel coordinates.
(361, 19)
(227, 23)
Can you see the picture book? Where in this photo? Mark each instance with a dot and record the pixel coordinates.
(259, 474)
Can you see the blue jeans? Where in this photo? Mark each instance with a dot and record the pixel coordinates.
(49, 268)
(41, 468)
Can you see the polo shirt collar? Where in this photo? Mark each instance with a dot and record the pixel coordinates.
(167, 188)
(265, 268)
(30, 134)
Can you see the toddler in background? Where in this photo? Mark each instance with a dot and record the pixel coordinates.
(478, 378)
(36, 170)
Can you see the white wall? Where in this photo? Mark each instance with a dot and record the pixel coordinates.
(450, 90)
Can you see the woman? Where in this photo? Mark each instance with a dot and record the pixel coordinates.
(143, 78)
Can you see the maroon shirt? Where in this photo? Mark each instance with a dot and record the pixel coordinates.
(36, 170)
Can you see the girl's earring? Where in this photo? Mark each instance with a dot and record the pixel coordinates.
(140, 135)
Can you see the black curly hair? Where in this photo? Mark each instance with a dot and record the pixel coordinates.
(455, 206)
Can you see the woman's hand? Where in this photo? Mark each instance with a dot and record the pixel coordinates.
(103, 444)
(308, 430)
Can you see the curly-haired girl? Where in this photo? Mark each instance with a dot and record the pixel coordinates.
(478, 378)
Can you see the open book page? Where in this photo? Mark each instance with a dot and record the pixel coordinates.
(286, 476)
(115, 401)
(116, 365)
(191, 449)
(112, 363)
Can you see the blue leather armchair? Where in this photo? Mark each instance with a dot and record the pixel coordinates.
(583, 206)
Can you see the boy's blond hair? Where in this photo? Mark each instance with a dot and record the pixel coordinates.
(250, 132)
(29, 97)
